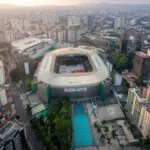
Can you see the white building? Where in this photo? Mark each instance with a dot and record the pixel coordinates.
(27, 25)
(17, 24)
(33, 47)
(74, 33)
(57, 33)
(25, 51)
(133, 22)
(8, 35)
(51, 33)
(62, 35)
(73, 21)
(3, 97)
(119, 22)
(50, 19)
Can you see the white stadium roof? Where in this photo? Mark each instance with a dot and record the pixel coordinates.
(45, 72)
(26, 43)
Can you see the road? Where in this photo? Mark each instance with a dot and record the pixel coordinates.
(32, 138)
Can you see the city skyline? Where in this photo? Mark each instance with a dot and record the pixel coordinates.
(67, 2)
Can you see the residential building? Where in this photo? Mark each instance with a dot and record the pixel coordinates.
(141, 65)
(90, 20)
(75, 32)
(58, 33)
(139, 39)
(73, 21)
(8, 35)
(12, 136)
(26, 52)
(144, 121)
(62, 35)
(136, 98)
(27, 25)
(73, 35)
(3, 97)
(50, 19)
(2, 39)
(119, 22)
(124, 42)
(133, 22)
(51, 33)
(17, 24)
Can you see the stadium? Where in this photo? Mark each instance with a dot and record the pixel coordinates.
(76, 73)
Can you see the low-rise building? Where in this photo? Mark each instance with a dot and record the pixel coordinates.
(12, 136)
(26, 51)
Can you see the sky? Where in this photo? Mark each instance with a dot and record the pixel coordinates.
(69, 2)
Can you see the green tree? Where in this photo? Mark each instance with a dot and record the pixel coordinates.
(56, 132)
(121, 61)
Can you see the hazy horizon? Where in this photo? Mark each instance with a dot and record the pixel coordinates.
(68, 2)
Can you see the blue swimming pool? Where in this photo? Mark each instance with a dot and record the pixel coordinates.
(82, 131)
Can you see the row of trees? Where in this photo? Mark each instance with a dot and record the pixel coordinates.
(121, 61)
(56, 130)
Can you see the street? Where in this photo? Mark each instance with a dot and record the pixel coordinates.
(34, 142)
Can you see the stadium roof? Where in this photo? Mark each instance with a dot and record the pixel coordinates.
(29, 42)
(45, 72)
(26, 43)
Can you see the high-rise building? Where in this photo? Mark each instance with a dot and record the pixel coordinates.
(8, 35)
(124, 42)
(144, 121)
(3, 97)
(139, 38)
(50, 19)
(73, 21)
(119, 22)
(133, 22)
(135, 101)
(142, 65)
(51, 33)
(26, 25)
(62, 35)
(73, 34)
(17, 24)
(90, 20)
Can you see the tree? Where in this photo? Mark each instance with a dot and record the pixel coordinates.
(14, 75)
(28, 82)
(56, 131)
(121, 61)
(28, 109)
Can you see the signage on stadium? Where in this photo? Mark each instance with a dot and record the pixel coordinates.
(83, 89)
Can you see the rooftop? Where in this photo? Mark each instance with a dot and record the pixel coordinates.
(87, 148)
(8, 129)
(26, 43)
(46, 74)
(129, 77)
(142, 54)
(109, 113)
